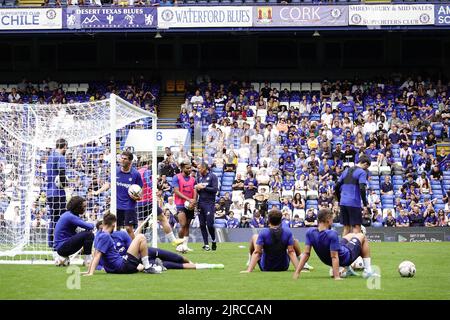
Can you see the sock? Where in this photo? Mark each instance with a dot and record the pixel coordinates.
(170, 236)
(199, 266)
(367, 265)
(185, 241)
(249, 259)
(88, 258)
(145, 262)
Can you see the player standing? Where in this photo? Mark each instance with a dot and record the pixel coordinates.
(332, 252)
(126, 204)
(207, 187)
(184, 191)
(350, 190)
(56, 182)
(147, 204)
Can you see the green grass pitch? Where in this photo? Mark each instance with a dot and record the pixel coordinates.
(432, 280)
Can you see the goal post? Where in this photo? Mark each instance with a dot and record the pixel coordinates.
(95, 132)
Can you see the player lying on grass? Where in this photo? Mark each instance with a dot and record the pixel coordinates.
(163, 258)
(110, 258)
(332, 252)
(67, 241)
(274, 247)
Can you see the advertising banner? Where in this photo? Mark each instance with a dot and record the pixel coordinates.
(421, 237)
(305, 16)
(30, 19)
(205, 17)
(109, 18)
(391, 15)
(442, 14)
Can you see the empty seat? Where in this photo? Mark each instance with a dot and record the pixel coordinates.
(306, 86)
(295, 86)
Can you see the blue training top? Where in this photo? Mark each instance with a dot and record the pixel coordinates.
(350, 193)
(326, 241)
(274, 256)
(66, 226)
(124, 181)
(56, 163)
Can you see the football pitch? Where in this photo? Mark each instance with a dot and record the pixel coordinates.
(432, 280)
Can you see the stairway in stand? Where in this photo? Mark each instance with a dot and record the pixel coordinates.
(445, 146)
(169, 111)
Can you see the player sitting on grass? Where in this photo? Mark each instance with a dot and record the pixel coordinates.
(163, 258)
(274, 247)
(112, 261)
(67, 241)
(327, 247)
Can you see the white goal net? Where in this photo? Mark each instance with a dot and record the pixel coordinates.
(31, 196)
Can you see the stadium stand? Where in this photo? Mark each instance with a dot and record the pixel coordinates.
(285, 138)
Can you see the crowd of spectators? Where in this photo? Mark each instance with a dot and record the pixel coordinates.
(289, 147)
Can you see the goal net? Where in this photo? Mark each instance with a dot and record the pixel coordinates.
(32, 197)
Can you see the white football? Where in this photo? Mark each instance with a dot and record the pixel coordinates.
(358, 264)
(58, 182)
(342, 272)
(181, 248)
(407, 269)
(187, 205)
(135, 190)
(363, 230)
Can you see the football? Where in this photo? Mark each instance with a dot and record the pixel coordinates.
(135, 191)
(181, 248)
(407, 269)
(187, 205)
(358, 264)
(342, 272)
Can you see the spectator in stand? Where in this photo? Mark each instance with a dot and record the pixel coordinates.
(297, 222)
(197, 99)
(232, 222)
(389, 221)
(436, 173)
(430, 140)
(286, 220)
(373, 197)
(442, 220)
(244, 223)
(431, 219)
(406, 186)
(424, 184)
(394, 137)
(416, 218)
(405, 151)
(366, 218)
(377, 217)
(250, 186)
(311, 218)
(403, 219)
(14, 96)
(257, 221)
(386, 187)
